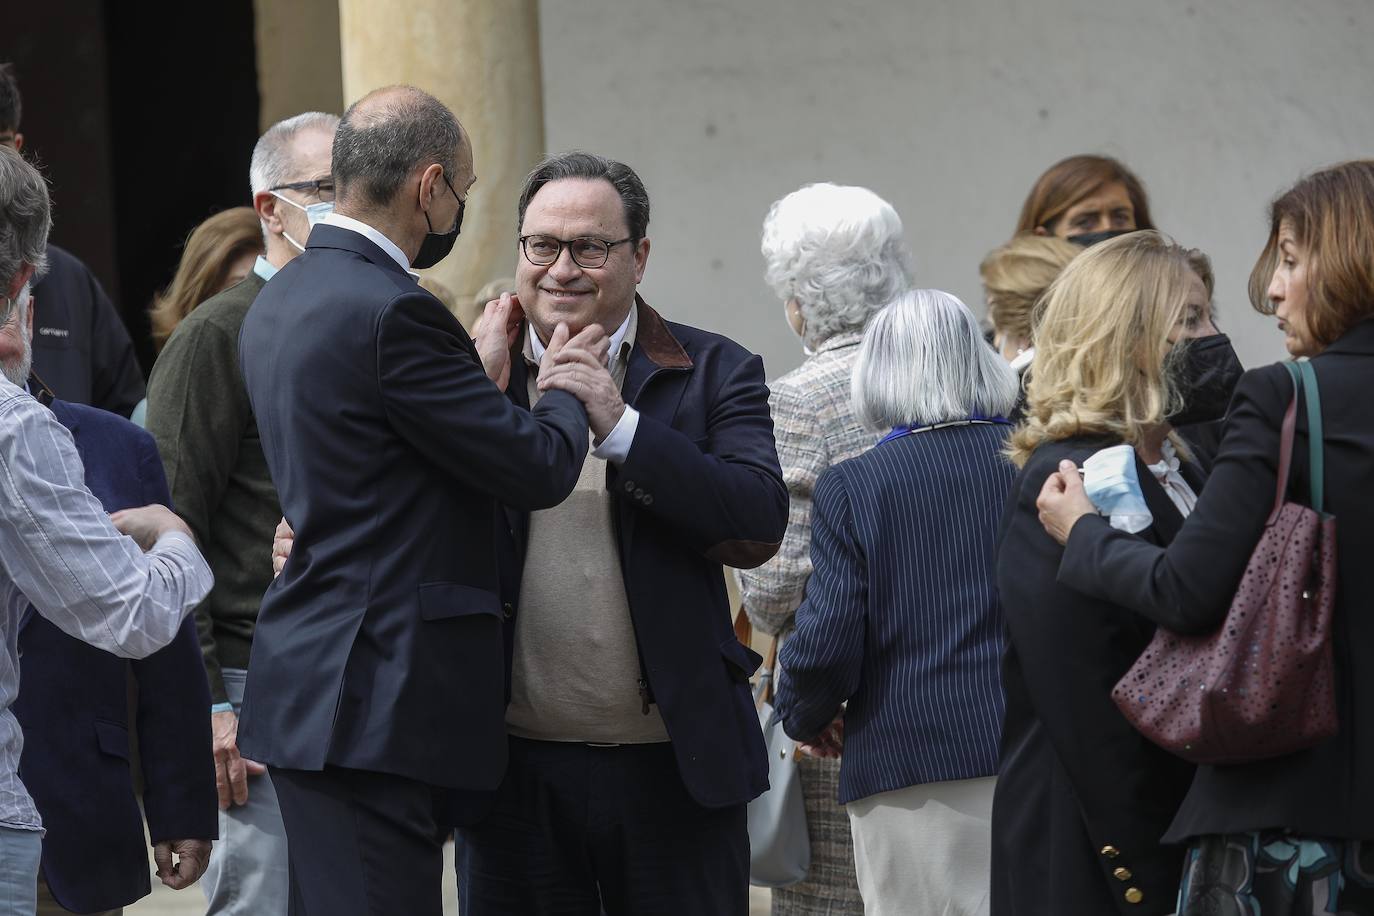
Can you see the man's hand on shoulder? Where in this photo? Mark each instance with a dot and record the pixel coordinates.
(148, 523)
(579, 368)
(496, 332)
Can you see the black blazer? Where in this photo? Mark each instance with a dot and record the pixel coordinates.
(1328, 790)
(75, 714)
(1080, 794)
(701, 487)
(380, 645)
(81, 349)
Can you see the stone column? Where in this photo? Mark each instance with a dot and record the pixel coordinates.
(298, 58)
(481, 58)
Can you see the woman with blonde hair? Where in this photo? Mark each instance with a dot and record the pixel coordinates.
(219, 253)
(1292, 834)
(1015, 277)
(1082, 798)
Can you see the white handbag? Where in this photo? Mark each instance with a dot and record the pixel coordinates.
(779, 845)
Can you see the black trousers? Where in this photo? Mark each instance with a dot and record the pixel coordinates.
(577, 828)
(362, 843)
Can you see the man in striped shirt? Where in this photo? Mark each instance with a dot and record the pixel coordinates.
(58, 549)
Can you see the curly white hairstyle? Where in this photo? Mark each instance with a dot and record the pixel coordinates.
(838, 250)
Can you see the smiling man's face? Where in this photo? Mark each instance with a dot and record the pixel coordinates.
(564, 291)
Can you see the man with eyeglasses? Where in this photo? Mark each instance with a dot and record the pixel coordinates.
(200, 415)
(634, 745)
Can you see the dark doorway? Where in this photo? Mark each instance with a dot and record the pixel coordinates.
(143, 116)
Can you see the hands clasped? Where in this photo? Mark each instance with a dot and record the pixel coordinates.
(578, 366)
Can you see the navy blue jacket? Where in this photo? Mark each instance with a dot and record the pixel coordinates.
(74, 711)
(1082, 798)
(901, 615)
(701, 487)
(379, 647)
(81, 349)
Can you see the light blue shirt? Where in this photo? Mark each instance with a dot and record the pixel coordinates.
(64, 557)
(264, 268)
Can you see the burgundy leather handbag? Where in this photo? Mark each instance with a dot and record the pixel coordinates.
(1263, 685)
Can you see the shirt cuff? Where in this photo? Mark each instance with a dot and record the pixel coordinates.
(180, 544)
(615, 448)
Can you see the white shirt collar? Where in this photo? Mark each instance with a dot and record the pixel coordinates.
(537, 346)
(1023, 359)
(372, 235)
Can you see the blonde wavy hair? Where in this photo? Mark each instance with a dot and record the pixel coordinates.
(1101, 342)
(1015, 277)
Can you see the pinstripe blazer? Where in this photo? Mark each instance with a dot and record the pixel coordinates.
(901, 616)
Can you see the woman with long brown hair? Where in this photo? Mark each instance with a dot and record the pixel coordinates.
(219, 253)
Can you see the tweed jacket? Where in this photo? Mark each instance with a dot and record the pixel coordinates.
(815, 427)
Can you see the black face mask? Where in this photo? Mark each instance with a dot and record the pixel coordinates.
(1089, 239)
(1206, 370)
(437, 245)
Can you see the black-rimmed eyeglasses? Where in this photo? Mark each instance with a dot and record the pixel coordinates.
(323, 188)
(587, 251)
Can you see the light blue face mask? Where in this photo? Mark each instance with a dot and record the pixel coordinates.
(1109, 478)
(314, 213)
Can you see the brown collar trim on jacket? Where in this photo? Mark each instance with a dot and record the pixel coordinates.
(657, 342)
(652, 336)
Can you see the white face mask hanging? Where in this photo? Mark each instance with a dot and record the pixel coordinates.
(314, 213)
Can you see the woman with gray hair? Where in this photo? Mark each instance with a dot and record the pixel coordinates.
(900, 632)
(835, 255)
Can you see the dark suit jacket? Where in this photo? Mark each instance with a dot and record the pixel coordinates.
(701, 488)
(1080, 793)
(81, 349)
(1327, 790)
(901, 616)
(380, 645)
(74, 712)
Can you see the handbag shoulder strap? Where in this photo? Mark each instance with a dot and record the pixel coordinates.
(1314, 434)
(1290, 423)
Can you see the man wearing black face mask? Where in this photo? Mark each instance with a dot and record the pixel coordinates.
(376, 684)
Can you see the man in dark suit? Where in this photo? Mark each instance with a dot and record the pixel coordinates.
(74, 710)
(82, 351)
(634, 742)
(375, 680)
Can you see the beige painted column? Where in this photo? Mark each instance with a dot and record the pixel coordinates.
(481, 59)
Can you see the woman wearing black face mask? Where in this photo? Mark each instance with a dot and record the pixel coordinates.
(1086, 199)
(1291, 835)
(1082, 798)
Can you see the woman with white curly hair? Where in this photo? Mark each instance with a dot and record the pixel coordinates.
(834, 255)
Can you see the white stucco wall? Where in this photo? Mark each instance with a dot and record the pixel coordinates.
(950, 110)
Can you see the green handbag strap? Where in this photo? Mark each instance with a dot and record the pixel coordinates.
(1305, 380)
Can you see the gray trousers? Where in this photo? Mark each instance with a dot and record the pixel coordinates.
(247, 875)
